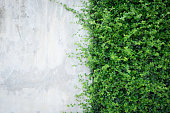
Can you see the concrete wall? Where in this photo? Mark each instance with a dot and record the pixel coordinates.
(36, 76)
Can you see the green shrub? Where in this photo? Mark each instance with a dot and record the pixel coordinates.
(128, 54)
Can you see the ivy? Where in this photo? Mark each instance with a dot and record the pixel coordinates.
(128, 55)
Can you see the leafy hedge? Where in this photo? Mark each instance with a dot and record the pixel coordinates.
(128, 54)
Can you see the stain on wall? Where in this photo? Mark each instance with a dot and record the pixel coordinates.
(36, 76)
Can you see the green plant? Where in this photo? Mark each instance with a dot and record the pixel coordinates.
(128, 55)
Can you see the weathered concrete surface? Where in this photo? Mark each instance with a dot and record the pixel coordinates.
(36, 76)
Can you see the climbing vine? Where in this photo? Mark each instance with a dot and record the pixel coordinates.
(128, 56)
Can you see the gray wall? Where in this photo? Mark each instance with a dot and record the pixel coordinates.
(36, 76)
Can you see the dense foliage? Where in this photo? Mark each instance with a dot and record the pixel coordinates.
(128, 54)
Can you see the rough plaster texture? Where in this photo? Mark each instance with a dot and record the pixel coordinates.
(36, 76)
